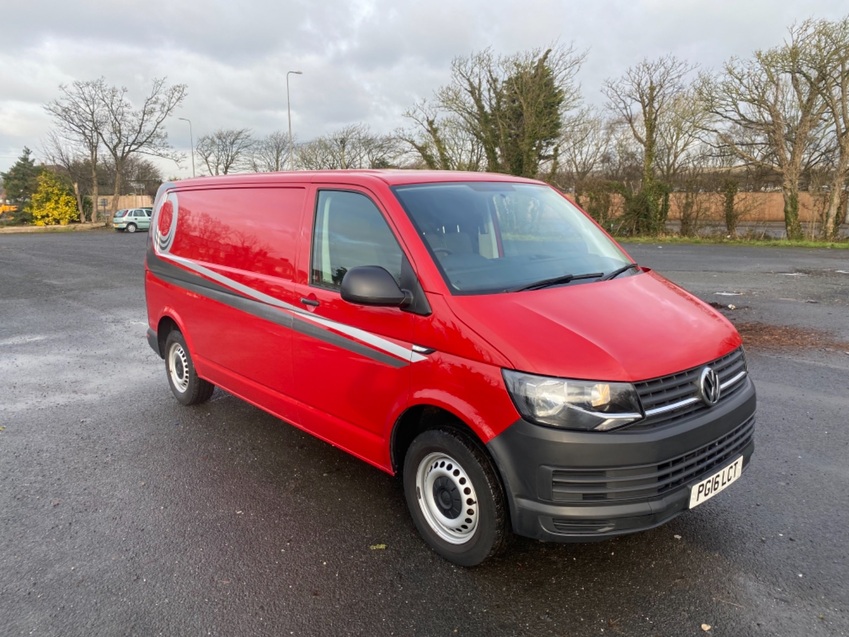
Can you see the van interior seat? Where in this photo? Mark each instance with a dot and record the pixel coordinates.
(458, 243)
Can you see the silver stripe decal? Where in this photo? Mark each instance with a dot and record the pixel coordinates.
(366, 337)
(230, 283)
(355, 333)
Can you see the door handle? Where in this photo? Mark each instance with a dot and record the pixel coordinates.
(310, 302)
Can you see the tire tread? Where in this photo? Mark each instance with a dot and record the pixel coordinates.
(199, 390)
(494, 534)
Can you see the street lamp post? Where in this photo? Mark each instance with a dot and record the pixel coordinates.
(191, 141)
(289, 115)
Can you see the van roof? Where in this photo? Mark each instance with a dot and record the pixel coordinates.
(391, 177)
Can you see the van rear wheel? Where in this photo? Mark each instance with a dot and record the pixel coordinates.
(182, 377)
(455, 497)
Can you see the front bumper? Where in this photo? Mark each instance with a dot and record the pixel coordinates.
(579, 486)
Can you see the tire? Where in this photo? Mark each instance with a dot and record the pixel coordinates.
(131, 227)
(180, 370)
(455, 497)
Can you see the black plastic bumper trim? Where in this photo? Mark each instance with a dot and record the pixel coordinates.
(153, 341)
(525, 454)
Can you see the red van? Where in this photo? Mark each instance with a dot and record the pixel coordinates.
(476, 333)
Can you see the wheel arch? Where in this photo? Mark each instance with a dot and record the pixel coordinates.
(167, 323)
(420, 418)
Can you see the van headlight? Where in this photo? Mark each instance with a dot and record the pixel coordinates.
(573, 404)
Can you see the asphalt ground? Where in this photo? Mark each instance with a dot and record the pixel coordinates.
(124, 513)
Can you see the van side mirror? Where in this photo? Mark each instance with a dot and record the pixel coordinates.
(373, 285)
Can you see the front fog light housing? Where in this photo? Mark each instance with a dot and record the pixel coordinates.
(573, 404)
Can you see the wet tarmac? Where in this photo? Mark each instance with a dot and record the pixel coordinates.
(124, 513)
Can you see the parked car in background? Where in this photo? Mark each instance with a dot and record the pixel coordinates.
(132, 219)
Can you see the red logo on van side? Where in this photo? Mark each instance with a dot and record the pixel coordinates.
(166, 214)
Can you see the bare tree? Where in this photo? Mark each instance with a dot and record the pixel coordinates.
(680, 135)
(351, 147)
(382, 151)
(63, 153)
(583, 146)
(441, 141)
(271, 153)
(128, 130)
(825, 66)
(644, 97)
(618, 171)
(81, 119)
(317, 154)
(731, 180)
(624, 160)
(225, 150)
(142, 175)
(769, 114)
(692, 206)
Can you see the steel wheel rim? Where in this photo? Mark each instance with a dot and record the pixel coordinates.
(440, 481)
(178, 367)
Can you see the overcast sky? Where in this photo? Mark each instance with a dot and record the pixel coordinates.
(362, 60)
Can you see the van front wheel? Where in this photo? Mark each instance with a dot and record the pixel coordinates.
(455, 497)
(182, 377)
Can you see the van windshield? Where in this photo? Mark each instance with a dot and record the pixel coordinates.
(499, 237)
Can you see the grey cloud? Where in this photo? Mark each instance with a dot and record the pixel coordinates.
(363, 60)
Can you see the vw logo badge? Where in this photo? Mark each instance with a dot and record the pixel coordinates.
(709, 387)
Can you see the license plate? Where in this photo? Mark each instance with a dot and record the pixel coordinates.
(709, 487)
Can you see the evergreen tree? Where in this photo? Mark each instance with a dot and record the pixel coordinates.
(503, 114)
(530, 118)
(20, 182)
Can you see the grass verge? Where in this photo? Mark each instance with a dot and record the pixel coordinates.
(773, 243)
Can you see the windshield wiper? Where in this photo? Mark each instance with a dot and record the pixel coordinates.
(619, 271)
(558, 280)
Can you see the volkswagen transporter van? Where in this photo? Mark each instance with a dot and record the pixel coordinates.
(477, 334)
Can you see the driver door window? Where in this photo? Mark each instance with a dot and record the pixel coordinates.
(350, 231)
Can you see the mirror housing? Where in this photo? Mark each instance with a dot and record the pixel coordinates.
(373, 285)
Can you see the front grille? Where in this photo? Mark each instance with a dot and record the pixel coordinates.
(672, 397)
(645, 482)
